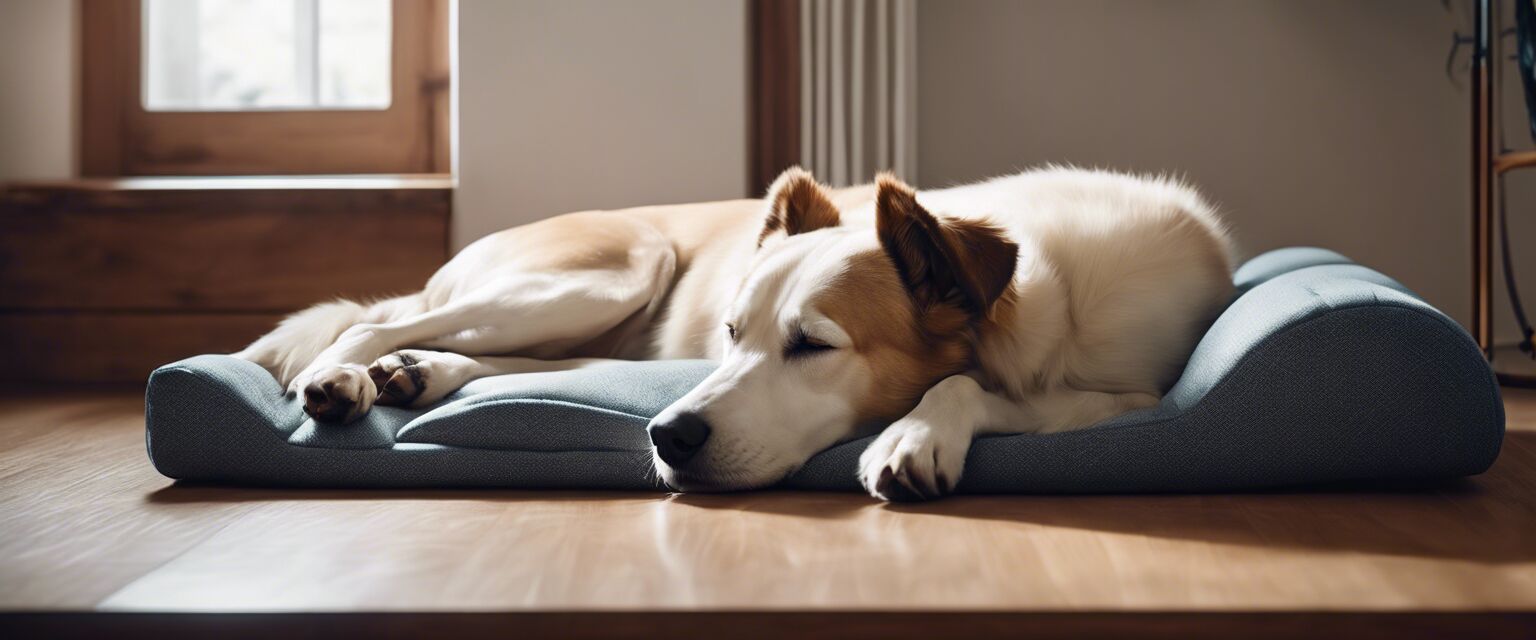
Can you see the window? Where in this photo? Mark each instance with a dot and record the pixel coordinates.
(241, 87)
(317, 54)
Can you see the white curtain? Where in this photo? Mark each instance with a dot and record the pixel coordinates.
(858, 109)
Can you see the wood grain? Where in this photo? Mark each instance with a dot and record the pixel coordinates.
(259, 249)
(775, 117)
(116, 347)
(73, 481)
(32, 190)
(1511, 160)
(120, 137)
(89, 525)
(102, 280)
(102, 92)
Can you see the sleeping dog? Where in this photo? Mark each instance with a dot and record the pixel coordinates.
(1038, 302)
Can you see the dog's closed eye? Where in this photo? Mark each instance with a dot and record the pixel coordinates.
(801, 345)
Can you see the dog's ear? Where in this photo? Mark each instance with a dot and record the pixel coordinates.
(797, 204)
(942, 260)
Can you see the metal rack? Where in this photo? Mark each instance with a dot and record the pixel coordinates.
(1489, 164)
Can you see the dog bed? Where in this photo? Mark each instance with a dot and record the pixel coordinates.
(1320, 370)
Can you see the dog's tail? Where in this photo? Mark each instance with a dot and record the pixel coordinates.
(299, 338)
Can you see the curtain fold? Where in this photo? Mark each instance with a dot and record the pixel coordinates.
(858, 89)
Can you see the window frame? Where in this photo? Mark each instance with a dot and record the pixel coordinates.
(119, 137)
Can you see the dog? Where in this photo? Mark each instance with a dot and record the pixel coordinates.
(1044, 301)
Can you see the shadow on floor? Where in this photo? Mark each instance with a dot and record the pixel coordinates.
(1486, 519)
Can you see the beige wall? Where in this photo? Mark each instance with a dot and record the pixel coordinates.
(37, 86)
(1321, 122)
(576, 104)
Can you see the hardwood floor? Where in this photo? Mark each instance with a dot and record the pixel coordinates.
(86, 524)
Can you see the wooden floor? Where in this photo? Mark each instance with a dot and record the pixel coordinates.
(87, 524)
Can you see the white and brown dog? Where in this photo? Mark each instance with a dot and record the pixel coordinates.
(1038, 302)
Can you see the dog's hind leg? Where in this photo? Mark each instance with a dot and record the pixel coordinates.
(295, 343)
(582, 289)
(549, 310)
(417, 378)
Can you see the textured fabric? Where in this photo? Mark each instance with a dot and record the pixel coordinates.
(1261, 269)
(1319, 371)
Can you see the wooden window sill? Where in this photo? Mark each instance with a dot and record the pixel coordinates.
(374, 182)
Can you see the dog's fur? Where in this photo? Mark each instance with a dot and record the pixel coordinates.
(1038, 302)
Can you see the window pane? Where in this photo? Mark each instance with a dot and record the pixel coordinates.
(354, 53)
(223, 55)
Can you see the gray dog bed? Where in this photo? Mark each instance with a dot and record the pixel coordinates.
(1320, 371)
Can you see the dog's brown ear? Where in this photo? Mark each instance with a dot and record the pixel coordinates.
(797, 204)
(964, 261)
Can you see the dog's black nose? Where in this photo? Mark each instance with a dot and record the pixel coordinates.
(678, 438)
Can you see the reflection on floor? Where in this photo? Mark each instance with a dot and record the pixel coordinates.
(85, 522)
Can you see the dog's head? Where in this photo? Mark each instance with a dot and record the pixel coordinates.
(835, 328)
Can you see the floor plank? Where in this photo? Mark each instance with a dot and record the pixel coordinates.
(85, 523)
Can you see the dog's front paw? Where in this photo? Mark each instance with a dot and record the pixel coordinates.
(338, 394)
(401, 378)
(914, 459)
(415, 378)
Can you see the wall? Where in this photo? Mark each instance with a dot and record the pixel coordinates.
(576, 104)
(1309, 121)
(37, 87)
(1329, 123)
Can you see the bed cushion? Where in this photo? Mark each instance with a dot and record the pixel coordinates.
(1319, 371)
